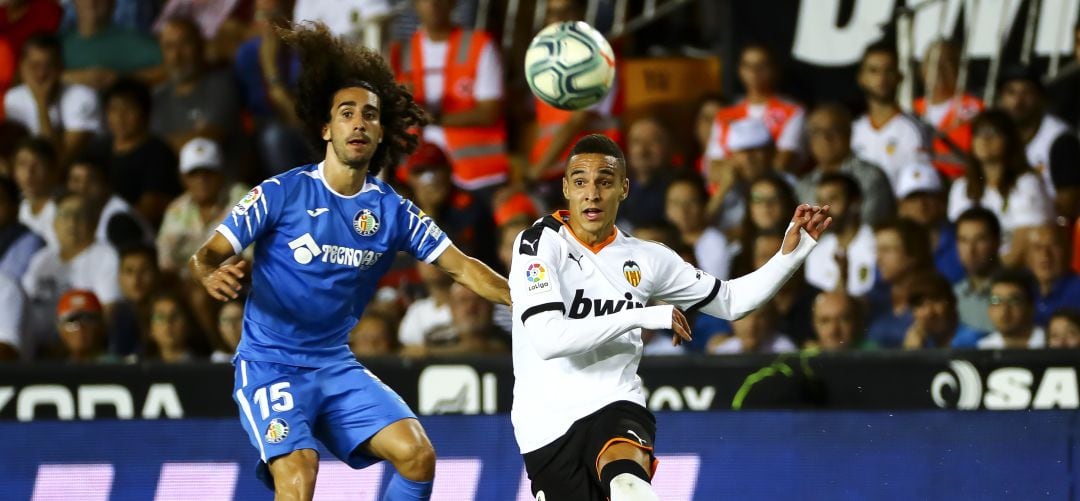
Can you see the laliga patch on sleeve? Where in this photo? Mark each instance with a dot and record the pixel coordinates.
(537, 278)
(245, 203)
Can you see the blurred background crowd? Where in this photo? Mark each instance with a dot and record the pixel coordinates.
(131, 127)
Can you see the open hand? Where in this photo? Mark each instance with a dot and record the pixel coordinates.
(814, 219)
(680, 326)
(224, 283)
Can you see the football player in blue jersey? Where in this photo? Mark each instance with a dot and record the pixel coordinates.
(325, 233)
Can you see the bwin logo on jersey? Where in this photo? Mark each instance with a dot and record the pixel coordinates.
(582, 306)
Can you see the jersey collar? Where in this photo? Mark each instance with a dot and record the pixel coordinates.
(368, 185)
(563, 216)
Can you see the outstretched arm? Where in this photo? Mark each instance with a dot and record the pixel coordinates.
(475, 275)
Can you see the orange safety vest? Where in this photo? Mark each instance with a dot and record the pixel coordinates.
(778, 113)
(550, 118)
(956, 126)
(477, 154)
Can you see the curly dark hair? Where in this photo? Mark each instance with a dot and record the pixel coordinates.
(328, 65)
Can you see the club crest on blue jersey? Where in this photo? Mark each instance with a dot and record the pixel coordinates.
(245, 203)
(365, 223)
(276, 431)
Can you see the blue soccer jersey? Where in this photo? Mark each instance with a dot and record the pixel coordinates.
(319, 256)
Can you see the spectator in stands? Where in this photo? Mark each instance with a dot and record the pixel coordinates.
(978, 238)
(1051, 146)
(1064, 100)
(508, 231)
(347, 19)
(903, 249)
(1012, 313)
(707, 107)
(471, 331)
(36, 173)
(837, 322)
(12, 312)
(457, 76)
(78, 262)
(557, 130)
(886, 136)
(751, 157)
(87, 177)
(685, 209)
(948, 109)
(267, 71)
(936, 323)
(771, 199)
(373, 336)
(999, 178)
(648, 158)
(1064, 329)
(67, 114)
(845, 258)
(172, 336)
(22, 19)
(428, 314)
(17, 242)
(142, 167)
(465, 218)
(922, 199)
(139, 277)
(81, 323)
(195, 101)
(758, 72)
(1056, 286)
(12, 134)
(828, 132)
(230, 322)
(192, 217)
(97, 51)
(754, 333)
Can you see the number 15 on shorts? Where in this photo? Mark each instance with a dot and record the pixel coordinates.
(279, 399)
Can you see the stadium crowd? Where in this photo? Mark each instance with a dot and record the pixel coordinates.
(131, 128)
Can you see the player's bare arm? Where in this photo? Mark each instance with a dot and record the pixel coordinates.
(475, 275)
(208, 268)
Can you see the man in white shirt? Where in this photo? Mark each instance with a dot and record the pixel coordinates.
(1012, 311)
(67, 114)
(12, 307)
(844, 259)
(1052, 147)
(579, 288)
(87, 177)
(427, 314)
(79, 262)
(885, 135)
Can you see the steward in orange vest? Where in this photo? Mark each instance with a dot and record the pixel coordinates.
(550, 119)
(477, 153)
(952, 135)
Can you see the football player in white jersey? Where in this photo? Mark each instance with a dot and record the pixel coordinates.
(580, 290)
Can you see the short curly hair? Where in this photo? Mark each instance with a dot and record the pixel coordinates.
(329, 64)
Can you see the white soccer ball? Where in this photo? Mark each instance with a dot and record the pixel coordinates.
(570, 65)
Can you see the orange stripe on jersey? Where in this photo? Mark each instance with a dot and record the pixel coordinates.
(616, 440)
(564, 217)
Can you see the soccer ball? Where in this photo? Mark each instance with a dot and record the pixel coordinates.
(569, 65)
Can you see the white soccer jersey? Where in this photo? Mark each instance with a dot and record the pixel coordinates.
(578, 313)
(900, 142)
(1038, 149)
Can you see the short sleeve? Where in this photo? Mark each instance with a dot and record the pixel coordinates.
(489, 84)
(1028, 203)
(254, 215)
(12, 304)
(679, 282)
(958, 199)
(79, 109)
(791, 136)
(424, 239)
(715, 149)
(107, 277)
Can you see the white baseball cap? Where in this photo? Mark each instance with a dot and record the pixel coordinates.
(748, 133)
(917, 178)
(200, 153)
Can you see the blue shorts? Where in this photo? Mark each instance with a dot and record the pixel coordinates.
(285, 408)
